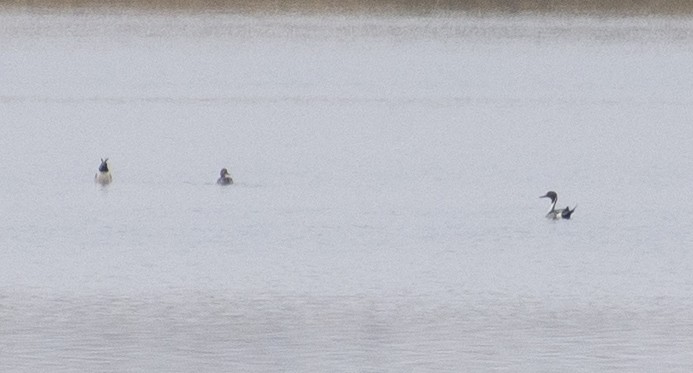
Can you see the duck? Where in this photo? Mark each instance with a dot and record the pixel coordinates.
(224, 177)
(555, 213)
(103, 177)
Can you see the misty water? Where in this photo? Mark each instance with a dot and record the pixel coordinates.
(385, 212)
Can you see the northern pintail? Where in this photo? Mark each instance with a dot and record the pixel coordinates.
(555, 213)
(103, 177)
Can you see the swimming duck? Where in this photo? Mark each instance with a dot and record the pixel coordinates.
(224, 177)
(554, 213)
(103, 177)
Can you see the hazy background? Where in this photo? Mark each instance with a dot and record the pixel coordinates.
(385, 215)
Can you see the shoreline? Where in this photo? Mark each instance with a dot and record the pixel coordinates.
(365, 7)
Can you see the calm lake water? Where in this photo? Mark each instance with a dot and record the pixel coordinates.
(385, 215)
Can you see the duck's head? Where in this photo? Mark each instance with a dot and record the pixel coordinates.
(552, 195)
(104, 165)
(224, 172)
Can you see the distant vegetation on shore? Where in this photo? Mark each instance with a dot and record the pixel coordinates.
(633, 7)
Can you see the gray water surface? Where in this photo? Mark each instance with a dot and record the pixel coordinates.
(385, 215)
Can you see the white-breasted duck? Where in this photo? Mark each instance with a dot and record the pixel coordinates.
(103, 177)
(555, 213)
(224, 177)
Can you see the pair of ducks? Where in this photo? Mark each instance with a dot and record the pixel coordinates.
(555, 213)
(104, 177)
